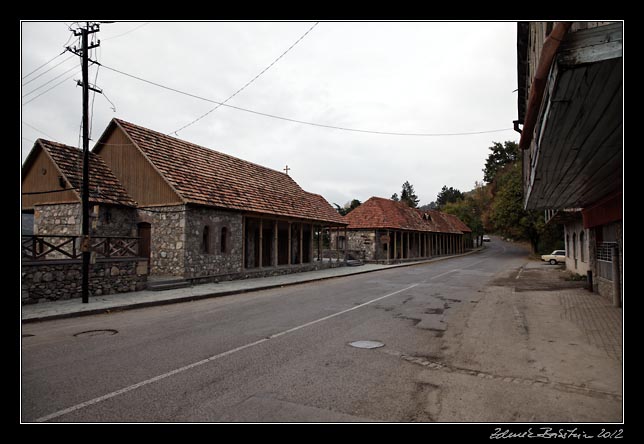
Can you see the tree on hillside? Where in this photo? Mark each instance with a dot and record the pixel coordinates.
(509, 217)
(447, 195)
(407, 195)
(348, 207)
(467, 211)
(502, 155)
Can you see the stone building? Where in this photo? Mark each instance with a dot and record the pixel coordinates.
(387, 231)
(570, 103)
(211, 216)
(51, 244)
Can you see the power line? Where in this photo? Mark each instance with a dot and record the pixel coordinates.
(127, 32)
(44, 64)
(46, 91)
(48, 82)
(248, 83)
(43, 73)
(39, 130)
(302, 121)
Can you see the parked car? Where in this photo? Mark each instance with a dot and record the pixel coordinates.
(486, 239)
(557, 256)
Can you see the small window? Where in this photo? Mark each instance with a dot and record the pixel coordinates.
(582, 239)
(224, 235)
(205, 240)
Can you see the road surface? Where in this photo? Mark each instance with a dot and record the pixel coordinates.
(285, 355)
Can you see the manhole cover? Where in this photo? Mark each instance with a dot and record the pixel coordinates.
(108, 332)
(367, 344)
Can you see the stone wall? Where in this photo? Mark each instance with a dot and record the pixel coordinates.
(168, 239)
(66, 220)
(59, 219)
(58, 280)
(202, 261)
(363, 241)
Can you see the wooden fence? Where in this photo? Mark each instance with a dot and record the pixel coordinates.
(55, 247)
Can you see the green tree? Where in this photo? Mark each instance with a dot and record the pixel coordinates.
(408, 195)
(348, 207)
(467, 211)
(447, 195)
(395, 197)
(510, 219)
(502, 155)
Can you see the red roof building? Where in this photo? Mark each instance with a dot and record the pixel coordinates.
(209, 215)
(386, 230)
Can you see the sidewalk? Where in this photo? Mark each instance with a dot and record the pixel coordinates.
(146, 298)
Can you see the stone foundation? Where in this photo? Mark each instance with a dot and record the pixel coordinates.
(60, 280)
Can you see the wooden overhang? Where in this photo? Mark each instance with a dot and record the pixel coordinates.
(576, 154)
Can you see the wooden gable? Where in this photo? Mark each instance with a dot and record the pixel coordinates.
(132, 168)
(41, 175)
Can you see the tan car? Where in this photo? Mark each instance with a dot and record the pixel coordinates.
(557, 256)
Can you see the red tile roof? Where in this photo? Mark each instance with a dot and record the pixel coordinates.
(104, 187)
(207, 177)
(380, 213)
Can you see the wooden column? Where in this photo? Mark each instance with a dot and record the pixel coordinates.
(311, 234)
(320, 231)
(346, 244)
(388, 247)
(395, 256)
(275, 244)
(261, 243)
(243, 242)
(301, 243)
(290, 247)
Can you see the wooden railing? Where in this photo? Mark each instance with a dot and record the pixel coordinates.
(55, 247)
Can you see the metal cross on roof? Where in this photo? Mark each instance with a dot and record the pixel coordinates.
(286, 169)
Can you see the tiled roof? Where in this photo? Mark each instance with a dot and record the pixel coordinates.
(104, 187)
(381, 213)
(207, 177)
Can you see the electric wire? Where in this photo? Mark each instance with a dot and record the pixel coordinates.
(301, 121)
(43, 73)
(44, 64)
(247, 83)
(46, 91)
(48, 82)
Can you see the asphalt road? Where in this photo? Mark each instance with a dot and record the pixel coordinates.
(280, 355)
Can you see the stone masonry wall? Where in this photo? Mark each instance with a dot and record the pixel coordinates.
(61, 219)
(167, 256)
(58, 280)
(66, 219)
(198, 262)
(364, 241)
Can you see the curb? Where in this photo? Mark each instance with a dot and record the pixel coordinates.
(197, 297)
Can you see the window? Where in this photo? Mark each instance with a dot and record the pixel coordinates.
(568, 245)
(222, 243)
(205, 240)
(581, 246)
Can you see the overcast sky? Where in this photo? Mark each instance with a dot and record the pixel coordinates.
(402, 77)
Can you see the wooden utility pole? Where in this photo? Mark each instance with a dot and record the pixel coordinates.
(86, 242)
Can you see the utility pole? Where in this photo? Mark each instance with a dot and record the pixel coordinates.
(86, 242)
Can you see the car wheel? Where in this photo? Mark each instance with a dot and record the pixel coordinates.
(553, 262)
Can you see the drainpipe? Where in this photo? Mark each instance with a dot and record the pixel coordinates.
(548, 52)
